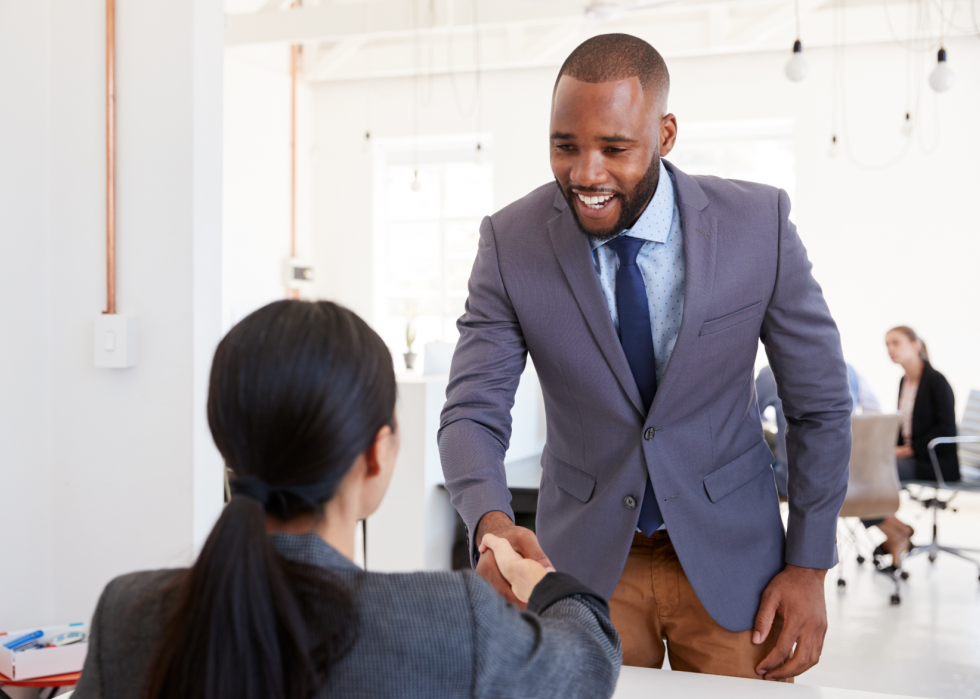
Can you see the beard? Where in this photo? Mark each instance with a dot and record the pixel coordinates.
(632, 204)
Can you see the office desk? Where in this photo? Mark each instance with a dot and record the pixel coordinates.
(637, 682)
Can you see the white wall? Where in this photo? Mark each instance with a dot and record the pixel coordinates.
(113, 469)
(256, 187)
(892, 247)
(25, 386)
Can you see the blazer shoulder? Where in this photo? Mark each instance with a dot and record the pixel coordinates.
(739, 194)
(933, 377)
(137, 586)
(137, 599)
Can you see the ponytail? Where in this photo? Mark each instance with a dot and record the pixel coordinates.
(238, 630)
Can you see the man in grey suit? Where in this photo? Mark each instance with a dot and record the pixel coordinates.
(641, 294)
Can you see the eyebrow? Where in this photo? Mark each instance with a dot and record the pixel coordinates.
(615, 138)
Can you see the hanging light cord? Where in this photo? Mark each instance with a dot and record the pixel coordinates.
(913, 84)
(474, 103)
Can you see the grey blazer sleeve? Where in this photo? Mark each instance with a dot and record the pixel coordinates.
(90, 684)
(571, 650)
(803, 345)
(487, 365)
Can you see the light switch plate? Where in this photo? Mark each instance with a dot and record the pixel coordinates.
(115, 341)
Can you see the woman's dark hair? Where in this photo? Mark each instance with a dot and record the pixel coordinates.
(298, 391)
(910, 334)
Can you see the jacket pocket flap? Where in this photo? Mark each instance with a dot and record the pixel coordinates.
(727, 321)
(576, 483)
(737, 473)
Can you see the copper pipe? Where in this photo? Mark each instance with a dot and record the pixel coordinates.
(110, 153)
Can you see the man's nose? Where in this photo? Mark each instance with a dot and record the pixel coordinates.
(588, 170)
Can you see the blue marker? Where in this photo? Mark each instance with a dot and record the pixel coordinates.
(23, 640)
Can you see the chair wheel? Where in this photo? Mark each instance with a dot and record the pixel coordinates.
(841, 583)
(860, 560)
(932, 558)
(905, 575)
(896, 600)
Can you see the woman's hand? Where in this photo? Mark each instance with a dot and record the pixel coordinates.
(903, 452)
(522, 573)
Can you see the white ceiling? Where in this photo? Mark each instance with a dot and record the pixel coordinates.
(362, 39)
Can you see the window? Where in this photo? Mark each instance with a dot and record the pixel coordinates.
(427, 232)
(757, 151)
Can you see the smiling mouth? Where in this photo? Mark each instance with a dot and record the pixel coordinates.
(595, 202)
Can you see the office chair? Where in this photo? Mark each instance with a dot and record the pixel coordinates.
(969, 435)
(872, 486)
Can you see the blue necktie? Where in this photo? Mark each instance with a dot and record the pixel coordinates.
(636, 335)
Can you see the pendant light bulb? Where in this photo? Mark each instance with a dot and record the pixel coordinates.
(796, 66)
(416, 184)
(942, 76)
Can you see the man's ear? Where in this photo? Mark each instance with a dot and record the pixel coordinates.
(668, 134)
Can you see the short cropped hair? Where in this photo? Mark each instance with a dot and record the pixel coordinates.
(611, 57)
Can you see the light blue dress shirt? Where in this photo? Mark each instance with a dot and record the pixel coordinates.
(661, 263)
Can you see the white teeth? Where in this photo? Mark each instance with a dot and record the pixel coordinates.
(596, 202)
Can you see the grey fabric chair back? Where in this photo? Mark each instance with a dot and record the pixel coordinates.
(873, 487)
(970, 427)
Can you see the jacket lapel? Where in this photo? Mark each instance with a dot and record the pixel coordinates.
(575, 257)
(700, 233)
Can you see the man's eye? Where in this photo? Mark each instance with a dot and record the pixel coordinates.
(564, 146)
(615, 150)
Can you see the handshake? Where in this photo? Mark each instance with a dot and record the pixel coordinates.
(511, 559)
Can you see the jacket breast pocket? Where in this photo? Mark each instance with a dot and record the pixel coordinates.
(737, 473)
(576, 483)
(710, 327)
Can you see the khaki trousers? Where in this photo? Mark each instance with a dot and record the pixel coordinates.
(654, 603)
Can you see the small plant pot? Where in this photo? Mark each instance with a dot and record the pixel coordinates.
(410, 360)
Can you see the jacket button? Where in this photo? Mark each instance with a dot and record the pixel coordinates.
(649, 434)
(629, 501)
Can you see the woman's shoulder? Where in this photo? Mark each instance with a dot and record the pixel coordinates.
(137, 599)
(417, 586)
(932, 375)
(140, 586)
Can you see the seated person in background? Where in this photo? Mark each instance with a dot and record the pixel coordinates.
(925, 400)
(301, 406)
(862, 396)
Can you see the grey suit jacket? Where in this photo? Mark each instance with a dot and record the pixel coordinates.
(534, 289)
(420, 635)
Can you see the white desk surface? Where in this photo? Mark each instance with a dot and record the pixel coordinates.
(637, 682)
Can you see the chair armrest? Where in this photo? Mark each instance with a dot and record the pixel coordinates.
(945, 440)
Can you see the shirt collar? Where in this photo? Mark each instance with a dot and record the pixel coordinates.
(655, 222)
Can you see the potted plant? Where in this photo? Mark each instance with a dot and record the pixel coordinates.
(409, 341)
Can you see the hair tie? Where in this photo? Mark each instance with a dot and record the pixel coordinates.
(283, 501)
(251, 487)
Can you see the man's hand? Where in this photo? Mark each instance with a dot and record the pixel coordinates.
(523, 574)
(522, 540)
(797, 595)
(903, 452)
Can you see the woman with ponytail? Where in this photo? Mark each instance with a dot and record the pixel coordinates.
(925, 401)
(301, 405)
